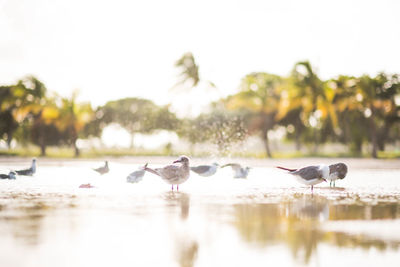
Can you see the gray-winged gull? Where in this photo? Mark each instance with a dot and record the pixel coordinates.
(136, 176)
(30, 171)
(205, 170)
(104, 169)
(11, 175)
(173, 174)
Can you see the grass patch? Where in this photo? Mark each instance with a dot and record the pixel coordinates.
(66, 152)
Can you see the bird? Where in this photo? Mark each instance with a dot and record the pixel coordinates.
(310, 175)
(104, 169)
(336, 171)
(30, 171)
(205, 170)
(136, 176)
(173, 174)
(239, 171)
(11, 175)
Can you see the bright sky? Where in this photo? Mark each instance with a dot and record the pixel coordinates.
(114, 49)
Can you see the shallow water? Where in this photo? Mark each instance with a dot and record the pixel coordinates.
(267, 219)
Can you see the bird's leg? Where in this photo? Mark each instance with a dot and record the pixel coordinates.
(330, 184)
(177, 187)
(334, 183)
(312, 189)
(172, 187)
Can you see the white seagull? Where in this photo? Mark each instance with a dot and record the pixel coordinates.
(205, 170)
(173, 174)
(239, 171)
(136, 176)
(30, 171)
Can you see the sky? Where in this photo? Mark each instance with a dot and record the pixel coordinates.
(115, 49)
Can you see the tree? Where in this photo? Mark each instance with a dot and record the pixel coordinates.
(17, 103)
(138, 116)
(189, 76)
(259, 94)
(378, 98)
(72, 119)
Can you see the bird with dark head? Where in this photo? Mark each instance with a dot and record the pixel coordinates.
(336, 171)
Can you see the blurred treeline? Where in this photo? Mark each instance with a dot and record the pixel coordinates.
(355, 111)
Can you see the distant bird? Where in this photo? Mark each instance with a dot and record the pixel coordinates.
(11, 175)
(239, 171)
(336, 171)
(205, 170)
(104, 169)
(173, 174)
(86, 186)
(310, 175)
(136, 176)
(30, 171)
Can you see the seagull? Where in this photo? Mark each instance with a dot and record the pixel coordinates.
(336, 171)
(136, 176)
(104, 169)
(11, 175)
(173, 174)
(205, 170)
(310, 175)
(240, 172)
(28, 172)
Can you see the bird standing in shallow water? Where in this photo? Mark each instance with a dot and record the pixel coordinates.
(11, 175)
(310, 175)
(104, 169)
(205, 170)
(173, 174)
(239, 171)
(30, 171)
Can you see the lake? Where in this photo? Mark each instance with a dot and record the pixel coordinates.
(267, 219)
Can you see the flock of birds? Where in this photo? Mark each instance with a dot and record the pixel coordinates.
(179, 171)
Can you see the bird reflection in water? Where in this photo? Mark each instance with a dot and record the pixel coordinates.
(299, 224)
(185, 247)
(177, 199)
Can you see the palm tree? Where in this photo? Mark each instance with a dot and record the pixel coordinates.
(189, 76)
(72, 119)
(307, 94)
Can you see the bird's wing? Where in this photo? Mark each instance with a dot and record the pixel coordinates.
(200, 169)
(309, 173)
(3, 176)
(234, 166)
(169, 171)
(24, 172)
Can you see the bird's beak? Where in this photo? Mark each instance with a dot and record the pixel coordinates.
(324, 180)
(176, 161)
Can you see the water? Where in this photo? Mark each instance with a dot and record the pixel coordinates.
(267, 219)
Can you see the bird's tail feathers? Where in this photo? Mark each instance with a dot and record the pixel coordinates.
(150, 170)
(286, 169)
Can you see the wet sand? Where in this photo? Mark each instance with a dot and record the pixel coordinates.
(267, 219)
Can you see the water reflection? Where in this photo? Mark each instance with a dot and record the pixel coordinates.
(299, 224)
(180, 200)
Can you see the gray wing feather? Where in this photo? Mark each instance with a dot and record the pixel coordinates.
(168, 172)
(200, 169)
(308, 173)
